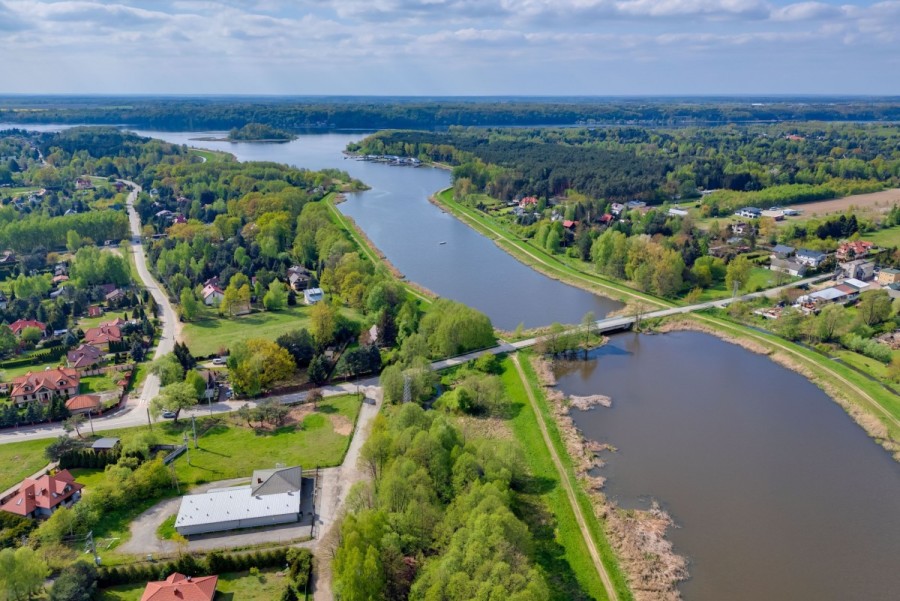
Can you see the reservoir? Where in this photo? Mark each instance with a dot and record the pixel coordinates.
(428, 246)
(775, 492)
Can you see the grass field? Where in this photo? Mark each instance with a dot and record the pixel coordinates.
(20, 460)
(206, 336)
(886, 238)
(236, 586)
(101, 383)
(560, 547)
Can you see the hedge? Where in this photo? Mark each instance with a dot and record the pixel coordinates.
(188, 564)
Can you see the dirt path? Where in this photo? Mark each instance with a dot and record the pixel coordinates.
(567, 485)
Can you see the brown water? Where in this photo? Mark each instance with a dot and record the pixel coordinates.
(776, 492)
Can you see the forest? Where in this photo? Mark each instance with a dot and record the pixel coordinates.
(294, 114)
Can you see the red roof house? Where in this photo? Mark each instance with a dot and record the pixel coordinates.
(83, 403)
(40, 497)
(569, 224)
(95, 311)
(44, 385)
(179, 587)
(606, 218)
(853, 250)
(528, 201)
(102, 335)
(20, 324)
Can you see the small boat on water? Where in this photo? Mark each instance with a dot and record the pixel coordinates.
(443, 242)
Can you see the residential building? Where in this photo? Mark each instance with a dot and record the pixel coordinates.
(606, 218)
(847, 251)
(787, 266)
(298, 278)
(635, 204)
(776, 214)
(95, 311)
(851, 291)
(749, 213)
(212, 295)
(893, 290)
(569, 224)
(888, 276)
(616, 208)
(855, 284)
(781, 251)
(105, 445)
(20, 324)
(114, 296)
(676, 212)
(40, 497)
(828, 295)
(313, 296)
(83, 403)
(810, 258)
(272, 498)
(529, 202)
(858, 268)
(178, 587)
(83, 184)
(44, 385)
(103, 335)
(84, 357)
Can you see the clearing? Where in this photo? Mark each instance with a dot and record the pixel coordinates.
(20, 460)
(879, 201)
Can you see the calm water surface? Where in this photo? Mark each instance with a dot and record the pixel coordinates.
(409, 230)
(777, 494)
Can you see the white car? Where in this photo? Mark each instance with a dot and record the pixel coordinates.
(220, 361)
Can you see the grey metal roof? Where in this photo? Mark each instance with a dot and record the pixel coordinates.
(782, 249)
(276, 481)
(232, 504)
(105, 443)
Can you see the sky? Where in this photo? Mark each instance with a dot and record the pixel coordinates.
(450, 47)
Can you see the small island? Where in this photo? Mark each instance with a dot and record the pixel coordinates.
(254, 132)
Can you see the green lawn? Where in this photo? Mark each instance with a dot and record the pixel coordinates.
(235, 586)
(7, 374)
(888, 237)
(212, 155)
(20, 460)
(206, 336)
(166, 530)
(559, 543)
(100, 383)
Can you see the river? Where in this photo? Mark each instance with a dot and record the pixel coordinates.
(428, 246)
(775, 491)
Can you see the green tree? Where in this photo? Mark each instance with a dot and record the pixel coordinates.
(77, 582)
(874, 307)
(174, 397)
(31, 335)
(168, 369)
(275, 298)
(74, 423)
(8, 340)
(73, 240)
(255, 365)
(22, 573)
(324, 322)
(190, 306)
(300, 345)
(828, 321)
(738, 271)
(197, 382)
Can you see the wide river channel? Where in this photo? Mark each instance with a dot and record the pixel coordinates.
(776, 493)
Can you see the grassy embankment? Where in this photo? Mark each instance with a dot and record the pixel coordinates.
(234, 586)
(566, 554)
(542, 261)
(369, 250)
(213, 156)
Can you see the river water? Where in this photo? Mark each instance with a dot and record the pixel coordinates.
(428, 246)
(776, 493)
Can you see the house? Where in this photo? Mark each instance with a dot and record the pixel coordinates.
(810, 258)
(84, 357)
(847, 251)
(103, 335)
(676, 212)
(888, 276)
(787, 266)
(569, 224)
(828, 295)
(104, 445)
(44, 385)
(106, 288)
(635, 204)
(616, 208)
(298, 277)
(855, 284)
(529, 202)
(179, 218)
(40, 497)
(859, 268)
(114, 296)
(272, 498)
(781, 251)
(606, 218)
(211, 377)
(83, 403)
(83, 184)
(740, 228)
(8, 257)
(776, 214)
(212, 295)
(749, 213)
(95, 311)
(59, 279)
(893, 290)
(178, 587)
(313, 295)
(21, 324)
(851, 291)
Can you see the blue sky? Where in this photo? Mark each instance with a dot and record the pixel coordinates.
(450, 47)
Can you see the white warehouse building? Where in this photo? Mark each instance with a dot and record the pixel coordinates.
(273, 497)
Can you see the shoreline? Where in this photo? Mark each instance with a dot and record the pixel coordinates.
(638, 539)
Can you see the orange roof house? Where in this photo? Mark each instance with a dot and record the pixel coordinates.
(103, 335)
(179, 587)
(40, 497)
(83, 403)
(20, 324)
(853, 249)
(44, 385)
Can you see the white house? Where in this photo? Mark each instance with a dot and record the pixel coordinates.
(313, 295)
(810, 258)
(212, 295)
(749, 213)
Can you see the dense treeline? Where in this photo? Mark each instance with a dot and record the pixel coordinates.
(772, 164)
(25, 235)
(417, 113)
(258, 131)
(437, 522)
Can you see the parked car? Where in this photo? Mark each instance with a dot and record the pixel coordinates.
(169, 414)
(220, 361)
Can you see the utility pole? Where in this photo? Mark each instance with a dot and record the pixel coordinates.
(187, 449)
(149, 421)
(91, 421)
(194, 427)
(90, 541)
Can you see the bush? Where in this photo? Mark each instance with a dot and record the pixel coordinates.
(77, 582)
(867, 347)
